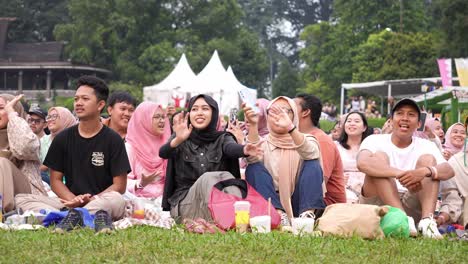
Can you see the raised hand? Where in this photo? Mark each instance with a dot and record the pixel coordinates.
(250, 115)
(280, 117)
(150, 178)
(180, 127)
(9, 107)
(254, 149)
(234, 128)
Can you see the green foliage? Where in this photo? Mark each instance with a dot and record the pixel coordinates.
(134, 90)
(287, 82)
(388, 55)
(452, 20)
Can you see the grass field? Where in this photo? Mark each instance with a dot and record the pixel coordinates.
(152, 245)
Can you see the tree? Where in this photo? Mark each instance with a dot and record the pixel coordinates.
(388, 55)
(287, 82)
(452, 17)
(35, 19)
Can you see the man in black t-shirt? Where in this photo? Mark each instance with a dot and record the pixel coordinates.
(91, 158)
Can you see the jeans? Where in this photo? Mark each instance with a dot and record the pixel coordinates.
(308, 192)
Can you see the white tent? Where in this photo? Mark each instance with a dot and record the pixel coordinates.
(163, 92)
(230, 93)
(209, 80)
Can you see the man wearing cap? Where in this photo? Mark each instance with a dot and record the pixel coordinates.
(36, 121)
(403, 171)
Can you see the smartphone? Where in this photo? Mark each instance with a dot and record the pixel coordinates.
(423, 122)
(249, 98)
(233, 115)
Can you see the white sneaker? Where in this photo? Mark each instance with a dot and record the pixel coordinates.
(412, 227)
(428, 227)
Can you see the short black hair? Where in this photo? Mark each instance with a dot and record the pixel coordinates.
(314, 104)
(99, 86)
(121, 96)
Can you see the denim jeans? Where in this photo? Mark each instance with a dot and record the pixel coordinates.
(308, 192)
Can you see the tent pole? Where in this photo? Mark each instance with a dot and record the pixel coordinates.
(381, 105)
(389, 94)
(342, 101)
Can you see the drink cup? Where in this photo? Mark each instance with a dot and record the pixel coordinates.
(242, 210)
(138, 209)
(260, 224)
(301, 226)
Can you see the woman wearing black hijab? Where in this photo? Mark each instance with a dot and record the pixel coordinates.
(199, 157)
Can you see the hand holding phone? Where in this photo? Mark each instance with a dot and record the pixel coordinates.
(423, 122)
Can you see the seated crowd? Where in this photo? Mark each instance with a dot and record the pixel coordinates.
(146, 151)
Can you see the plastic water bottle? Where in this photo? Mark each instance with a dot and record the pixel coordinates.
(44, 211)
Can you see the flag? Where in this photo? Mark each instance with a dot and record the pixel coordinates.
(462, 71)
(445, 69)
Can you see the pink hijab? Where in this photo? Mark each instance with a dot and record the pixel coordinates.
(66, 119)
(262, 116)
(448, 144)
(144, 143)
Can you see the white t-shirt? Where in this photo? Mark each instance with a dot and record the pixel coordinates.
(402, 158)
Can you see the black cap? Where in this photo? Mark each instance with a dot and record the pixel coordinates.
(37, 111)
(406, 101)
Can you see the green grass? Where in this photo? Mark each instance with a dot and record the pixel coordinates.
(152, 245)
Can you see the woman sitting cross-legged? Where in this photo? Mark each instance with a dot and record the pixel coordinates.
(147, 131)
(199, 156)
(289, 171)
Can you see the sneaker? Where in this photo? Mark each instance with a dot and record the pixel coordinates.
(103, 222)
(428, 227)
(412, 227)
(284, 218)
(72, 220)
(308, 214)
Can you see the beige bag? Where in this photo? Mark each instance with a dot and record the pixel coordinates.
(347, 220)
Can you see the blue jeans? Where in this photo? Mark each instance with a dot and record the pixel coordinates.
(308, 193)
(45, 176)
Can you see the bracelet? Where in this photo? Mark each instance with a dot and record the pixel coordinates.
(435, 175)
(430, 170)
(292, 129)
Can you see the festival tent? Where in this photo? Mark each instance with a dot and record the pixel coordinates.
(229, 95)
(163, 92)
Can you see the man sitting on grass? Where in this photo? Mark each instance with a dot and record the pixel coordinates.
(397, 162)
(92, 159)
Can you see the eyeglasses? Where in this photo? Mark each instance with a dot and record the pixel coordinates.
(162, 117)
(52, 117)
(287, 110)
(35, 121)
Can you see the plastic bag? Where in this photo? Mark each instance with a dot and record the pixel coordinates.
(395, 223)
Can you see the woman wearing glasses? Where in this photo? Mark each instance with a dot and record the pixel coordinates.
(147, 131)
(289, 171)
(58, 119)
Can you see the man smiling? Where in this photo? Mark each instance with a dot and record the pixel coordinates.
(404, 171)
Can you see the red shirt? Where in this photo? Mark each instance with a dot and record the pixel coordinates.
(332, 168)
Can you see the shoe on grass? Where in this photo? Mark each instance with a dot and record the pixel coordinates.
(428, 227)
(308, 214)
(284, 218)
(73, 220)
(412, 227)
(103, 222)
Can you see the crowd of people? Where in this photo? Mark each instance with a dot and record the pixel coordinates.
(152, 152)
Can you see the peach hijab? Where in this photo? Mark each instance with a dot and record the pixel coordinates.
(284, 162)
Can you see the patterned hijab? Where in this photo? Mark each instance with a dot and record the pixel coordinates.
(4, 145)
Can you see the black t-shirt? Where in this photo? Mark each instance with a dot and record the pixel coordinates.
(89, 164)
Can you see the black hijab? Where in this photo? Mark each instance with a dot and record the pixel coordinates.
(210, 133)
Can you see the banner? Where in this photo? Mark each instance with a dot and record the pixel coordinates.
(462, 71)
(445, 69)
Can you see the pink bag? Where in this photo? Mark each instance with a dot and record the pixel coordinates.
(221, 204)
